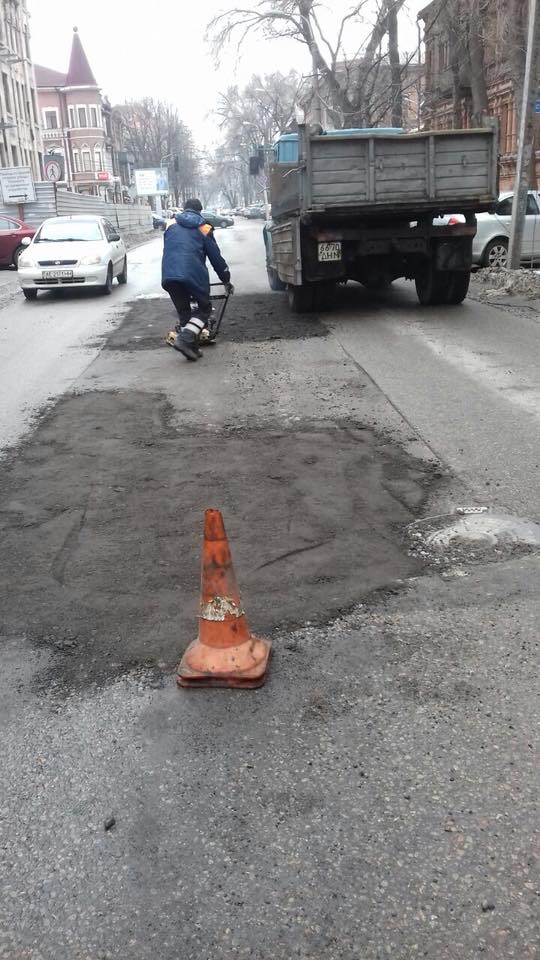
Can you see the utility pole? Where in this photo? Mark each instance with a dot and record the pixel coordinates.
(526, 137)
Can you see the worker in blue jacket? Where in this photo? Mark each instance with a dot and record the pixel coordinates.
(188, 241)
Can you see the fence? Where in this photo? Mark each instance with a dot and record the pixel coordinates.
(51, 202)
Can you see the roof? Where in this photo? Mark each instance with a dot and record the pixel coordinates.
(428, 11)
(48, 78)
(79, 71)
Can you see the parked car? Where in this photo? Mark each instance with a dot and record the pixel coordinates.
(217, 219)
(255, 213)
(73, 251)
(159, 223)
(12, 234)
(490, 245)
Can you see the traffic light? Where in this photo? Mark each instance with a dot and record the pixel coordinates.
(176, 165)
(254, 166)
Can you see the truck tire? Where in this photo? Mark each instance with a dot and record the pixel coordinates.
(458, 286)
(273, 279)
(431, 286)
(301, 298)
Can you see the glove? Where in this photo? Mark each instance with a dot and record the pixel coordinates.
(229, 289)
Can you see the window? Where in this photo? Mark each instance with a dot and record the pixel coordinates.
(72, 117)
(51, 119)
(53, 230)
(6, 224)
(76, 161)
(86, 160)
(504, 209)
(7, 95)
(81, 115)
(98, 159)
(93, 117)
(110, 231)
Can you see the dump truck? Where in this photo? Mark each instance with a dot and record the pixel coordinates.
(361, 205)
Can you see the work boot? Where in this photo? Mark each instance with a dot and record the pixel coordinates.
(190, 351)
(187, 341)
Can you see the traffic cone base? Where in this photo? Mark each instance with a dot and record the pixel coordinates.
(241, 666)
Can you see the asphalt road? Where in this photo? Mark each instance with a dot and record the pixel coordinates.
(378, 798)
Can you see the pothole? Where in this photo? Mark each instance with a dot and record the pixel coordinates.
(472, 535)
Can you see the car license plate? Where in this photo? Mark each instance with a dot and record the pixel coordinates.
(57, 274)
(330, 251)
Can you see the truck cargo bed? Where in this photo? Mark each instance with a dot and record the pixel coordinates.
(446, 171)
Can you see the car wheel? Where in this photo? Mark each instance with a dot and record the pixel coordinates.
(224, 224)
(107, 289)
(122, 277)
(29, 294)
(17, 253)
(496, 253)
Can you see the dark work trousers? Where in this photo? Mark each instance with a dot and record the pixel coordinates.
(181, 297)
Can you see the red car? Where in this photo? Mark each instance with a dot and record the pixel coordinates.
(12, 232)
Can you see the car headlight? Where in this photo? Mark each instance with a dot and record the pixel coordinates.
(25, 261)
(90, 261)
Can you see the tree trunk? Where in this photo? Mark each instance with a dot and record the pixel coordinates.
(395, 67)
(476, 57)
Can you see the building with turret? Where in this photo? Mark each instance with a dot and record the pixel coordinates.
(74, 124)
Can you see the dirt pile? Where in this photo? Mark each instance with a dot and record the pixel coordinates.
(494, 282)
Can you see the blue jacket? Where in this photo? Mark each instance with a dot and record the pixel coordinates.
(186, 245)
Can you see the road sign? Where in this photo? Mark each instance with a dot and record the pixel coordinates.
(53, 168)
(17, 185)
(537, 107)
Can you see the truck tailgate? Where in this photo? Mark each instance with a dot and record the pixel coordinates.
(447, 170)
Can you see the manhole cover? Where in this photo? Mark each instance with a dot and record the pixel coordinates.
(487, 528)
(469, 535)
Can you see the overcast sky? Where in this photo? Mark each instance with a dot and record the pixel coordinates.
(161, 51)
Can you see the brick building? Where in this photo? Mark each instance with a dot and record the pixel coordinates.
(74, 123)
(448, 96)
(20, 140)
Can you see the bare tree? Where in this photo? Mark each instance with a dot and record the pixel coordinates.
(153, 132)
(250, 118)
(341, 83)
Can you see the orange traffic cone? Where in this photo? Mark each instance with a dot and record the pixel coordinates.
(225, 653)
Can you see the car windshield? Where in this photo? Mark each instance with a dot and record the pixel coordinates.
(65, 231)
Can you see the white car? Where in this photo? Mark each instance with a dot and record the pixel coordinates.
(490, 245)
(78, 251)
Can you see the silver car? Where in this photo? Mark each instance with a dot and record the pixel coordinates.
(490, 245)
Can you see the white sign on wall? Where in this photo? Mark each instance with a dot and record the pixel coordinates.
(17, 185)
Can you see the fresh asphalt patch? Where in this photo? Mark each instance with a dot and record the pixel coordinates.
(101, 520)
(248, 318)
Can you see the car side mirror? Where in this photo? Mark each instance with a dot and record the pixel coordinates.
(114, 237)
(26, 241)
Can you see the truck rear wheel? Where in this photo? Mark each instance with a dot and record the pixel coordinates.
(458, 286)
(431, 286)
(273, 279)
(301, 298)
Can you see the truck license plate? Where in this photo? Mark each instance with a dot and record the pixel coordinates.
(57, 274)
(330, 251)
